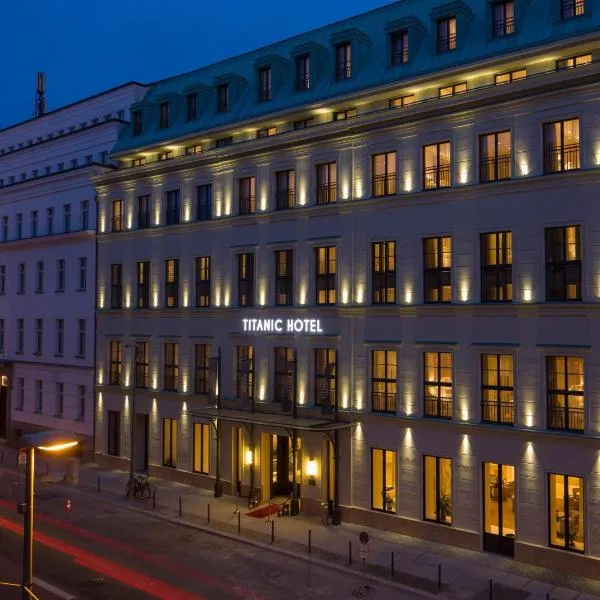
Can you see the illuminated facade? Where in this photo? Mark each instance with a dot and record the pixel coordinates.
(422, 208)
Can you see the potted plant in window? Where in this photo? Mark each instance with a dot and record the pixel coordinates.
(445, 508)
(388, 502)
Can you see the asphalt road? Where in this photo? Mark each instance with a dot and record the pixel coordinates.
(101, 551)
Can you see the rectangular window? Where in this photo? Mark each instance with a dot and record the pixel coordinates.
(137, 122)
(246, 279)
(164, 115)
(343, 54)
(201, 448)
(247, 195)
(497, 389)
(572, 8)
(437, 276)
(60, 275)
(383, 273)
(81, 401)
(59, 399)
(266, 132)
(566, 512)
(172, 283)
(401, 101)
(191, 104)
(203, 281)
(223, 98)
(115, 362)
(60, 337)
(39, 396)
(511, 76)
(285, 189)
(265, 92)
(114, 432)
(82, 274)
(201, 368)
(191, 150)
(384, 174)
(39, 340)
(383, 381)
(245, 372)
(303, 123)
(204, 202)
(21, 279)
(561, 146)
(437, 483)
(50, 220)
(2, 279)
(504, 18)
(143, 211)
(436, 166)
(20, 400)
(116, 285)
(169, 445)
(563, 263)
(171, 373)
(284, 375)
(326, 183)
(344, 115)
(446, 30)
(39, 277)
(20, 336)
(399, 47)
(142, 365)
(1, 336)
(303, 73)
(383, 480)
(453, 90)
(222, 142)
(437, 369)
(34, 223)
(495, 156)
(326, 262)
(67, 218)
(19, 233)
(565, 390)
(117, 216)
(499, 500)
(496, 267)
(574, 61)
(172, 216)
(326, 378)
(5, 229)
(81, 341)
(143, 284)
(85, 214)
(284, 278)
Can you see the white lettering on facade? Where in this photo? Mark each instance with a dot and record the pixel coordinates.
(277, 326)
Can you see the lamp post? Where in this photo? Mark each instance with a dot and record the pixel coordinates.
(45, 441)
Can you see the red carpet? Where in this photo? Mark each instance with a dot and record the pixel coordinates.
(264, 511)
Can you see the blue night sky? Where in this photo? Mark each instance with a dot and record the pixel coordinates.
(87, 47)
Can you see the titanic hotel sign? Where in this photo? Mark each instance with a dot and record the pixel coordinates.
(282, 326)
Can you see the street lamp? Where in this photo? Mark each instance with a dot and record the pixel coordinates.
(44, 441)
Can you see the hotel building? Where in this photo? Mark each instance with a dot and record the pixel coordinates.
(361, 266)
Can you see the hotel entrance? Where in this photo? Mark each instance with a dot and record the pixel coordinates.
(499, 508)
(282, 465)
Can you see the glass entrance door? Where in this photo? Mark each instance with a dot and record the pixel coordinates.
(499, 508)
(281, 483)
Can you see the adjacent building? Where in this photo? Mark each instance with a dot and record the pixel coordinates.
(359, 267)
(48, 262)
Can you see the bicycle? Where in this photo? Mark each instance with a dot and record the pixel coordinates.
(141, 487)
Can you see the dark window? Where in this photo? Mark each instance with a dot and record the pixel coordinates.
(504, 18)
(344, 115)
(34, 223)
(496, 267)
(437, 380)
(561, 146)
(566, 512)
(143, 211)
(303, 73)
(21, 279)
(117, 223)
(113, 428)
(116, 285)
(246, 279)
(399, 47)
(164, 115)
(66, 217)
(303, 123)
(285, 189)
(383, 480)
(245, 372)
(223, 98)
(497, 389)
(572, 8)
(60, 276)
(436, 166)
(60, 337)
(326, 262)
(384, 174)
(203, 281)
(326, 377)
(247, 195)
(494, 156)
(172, 207)
(343, 54)
(265, 88)
(20, 225)
(266, 132)
(143, 284)
(437, 483)
(564, 386)
(284, 277)
(563, 263)
(437, 259)
(137, 122)
(172, 283)
(284, 375)
(383, 273)
(169, 446)
(383, 381)
(171, 374)
(142, 365)
(222, 142)
(326, 183)
(446, 34)
(191, 103)
(85, 206)
(204, 202)
(201, 368)
(115, 355)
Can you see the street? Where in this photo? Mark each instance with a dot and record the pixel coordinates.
(99, 551)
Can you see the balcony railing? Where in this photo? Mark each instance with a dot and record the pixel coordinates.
(327, 193)
(116, 296)
(563, 417)
(284, 199)
(204, 212)
(494, 169)
(436, 177)
(572, 8)
(265, 94)
(303, 83)
(171, 383)
(115, 375)
(116, 224)
(344, 71)
(498, 412)
(438, 407)
(561, 158)
(447, 42)
(142, 376)
(384, 185)
(399, 56)
(504, 27)
(383, 402)
(247, 205)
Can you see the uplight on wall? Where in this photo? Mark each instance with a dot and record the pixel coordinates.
(358, 395)
(311, 471)
(408, 181)
(128, 297)
(408, 296)
(463, 175)
(464, 292)
(524, 168)
(358, 185)
(527, 295)
(187, 212)
(360, 293)
(302, 295)
(249, 457)
(345, 293)
(345, 189)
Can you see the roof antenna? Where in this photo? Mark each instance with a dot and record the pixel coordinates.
(39, 103)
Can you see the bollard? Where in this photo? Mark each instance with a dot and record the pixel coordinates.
(440, 576)
(179, 505)
(98, 488)
(392, 564)
(239, 514)
(309, 541)
(208, 513)
(272, 532)
(491, 588)
(350, 552)
(153, 499)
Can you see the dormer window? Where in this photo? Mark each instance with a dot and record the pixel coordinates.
(223, 98)
(572, 8)
(573, 62)
(137, 122)
(164, 115)
(192, 101)
(446, 34)
(303, 73)
(504, 18)
(453, 90)
(399, 46)
(265, 88)
(343, 54)
(266, 132)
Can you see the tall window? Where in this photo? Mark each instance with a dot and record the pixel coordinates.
(383, 381)
(437, 258)
(496, 267)
(113, 428)
(117, 216)
(116, 285)
(169, 445)
(20, 400)
(143, 284)
(19, 234)
(567, 523)
(326, 262)
(49, 220)
(142, 365)
(66, 218)
(143, 211)
(494, 156)
(59, 406)
(60, 275)
(2, 279)
(246, 279)
(247, 195)
(497, 389)
(383, 273)
(172, 283)
(284, 373)
(284, 277)
(437, 369)
(565, 389)
(446, 34)
(504, 18)
(384, 174)
(204, 202)
(172, 207)
(60, 337)
(137, 122)
(201, 368)
(326, 183)
(201, 462)
(164, 115)
(39, 339)
(116, 364)
(81, 402)
(39, 277)
(572, 8)
(437, 481)
(20, 336)
(21, 279)
(203, 281)
(436, 166)
(191, 103)
(285, 189)
(245, 372)
(34, 223)
(81, 337)
(563, 263)
(82, 283)
(302, 73)
(399, 47)
(265, 92)
(223, 98)
(343, 55)
(171, 381)
(383, 480)
(499, 501)
(326, 377)
(561, 146)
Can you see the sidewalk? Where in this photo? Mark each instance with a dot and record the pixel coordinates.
(465, 575)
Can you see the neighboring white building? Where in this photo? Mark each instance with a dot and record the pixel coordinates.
(48, 261)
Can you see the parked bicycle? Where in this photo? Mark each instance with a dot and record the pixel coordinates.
(142, 487)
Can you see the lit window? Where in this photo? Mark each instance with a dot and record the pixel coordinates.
(437, 481)
(563, 263)
(383, 381)
(169, 445)
(572, 8)
(383, 273)
(574, 62)
(561, 146)
(326, 269)
(497, 389)
(401, 101)
(504, 18)
(446, 34)
(437, 256)
(510, 76)
(567, 511)
(565, 389)
(494, 156)
(496, 267)
(266, 132)
(453, 90)
(499, 506)
(201, 448)
(436, 166)
(343, 115)
(384, 174)
(383, 480)
(437, 381)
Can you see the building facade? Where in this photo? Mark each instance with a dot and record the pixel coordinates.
(48, 262)
(360, 267)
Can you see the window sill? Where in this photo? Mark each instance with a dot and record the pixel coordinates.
(59, 291)
(39, 291)
(57, 355)
(79, 356)
(81, 290)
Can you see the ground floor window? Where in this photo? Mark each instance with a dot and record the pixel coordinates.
(437, 483)
(566, 512)
(169, 446)
(114, 433)
(383, 480)
(201, 448)
(499, 494)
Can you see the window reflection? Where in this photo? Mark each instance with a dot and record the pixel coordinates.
(566, 512)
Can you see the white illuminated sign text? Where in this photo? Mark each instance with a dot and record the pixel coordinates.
(282, 326)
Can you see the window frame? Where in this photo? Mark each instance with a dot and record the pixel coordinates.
(554, 156)
(326, 388)
(439, 170)
(326, 176)
(383, 272)
(385, 184)
(387, 505)
(501, 163)
(343, 61)
(245, 354)
(203, 281)
(500, 272)
(566, 510)
(399, 48)
(245, 279)
(443, 406)
(437, 278)
(169, 459)
(172, 283)
(439, 518)
(171, 362)
(201, 448)
(284, 277)
(565, 417)
(326, 281)
(285, 189)
(504, 411)
(388, 403)
(567, 269)
(247, 195)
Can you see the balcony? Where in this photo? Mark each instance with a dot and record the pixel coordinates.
(326, 193)
(561, 158)
(115, 375)
(344, 71)
(384, 185)
(284, 199)
(116, 224)
(247, 205)
(171, 383)
(504, 27)
(440, 408)
(399, 56)
(502, 413)
(566, 418)
(436, 177)
(385, 403)
(494, 169)
(447, 43)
